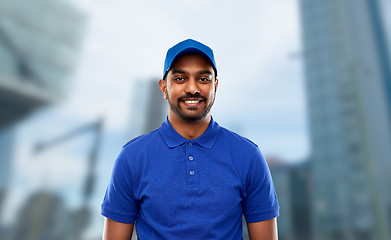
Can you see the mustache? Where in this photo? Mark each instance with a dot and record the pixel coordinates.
(197, 95)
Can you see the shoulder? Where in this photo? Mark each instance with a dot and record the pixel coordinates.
(237, 141)
(244, 153)
(137, 151)
(139, 146)
(246, 157)
(242, 150)
(141, 142)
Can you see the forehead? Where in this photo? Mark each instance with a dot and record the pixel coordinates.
(191, 60)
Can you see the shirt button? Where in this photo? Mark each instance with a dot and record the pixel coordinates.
(191, 158)
(192, 172)
(190, 144)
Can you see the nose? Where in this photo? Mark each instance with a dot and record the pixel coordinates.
(192, 87)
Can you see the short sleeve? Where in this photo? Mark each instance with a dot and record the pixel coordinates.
(260, 202)
(119, 203)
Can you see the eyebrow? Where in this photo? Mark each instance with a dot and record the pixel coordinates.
(175, 71)
(178, 71)
(205, 72)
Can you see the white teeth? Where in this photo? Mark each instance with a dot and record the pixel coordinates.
(192, 102)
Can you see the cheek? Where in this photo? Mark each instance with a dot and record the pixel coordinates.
(212, 92)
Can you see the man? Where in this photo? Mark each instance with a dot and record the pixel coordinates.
(190, 178)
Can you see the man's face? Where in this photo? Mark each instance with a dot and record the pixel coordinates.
(190, 87)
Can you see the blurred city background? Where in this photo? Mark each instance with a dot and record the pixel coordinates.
(308, 80)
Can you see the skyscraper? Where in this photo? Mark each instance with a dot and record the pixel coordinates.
(292, 182)
(148, 107)
(39, 45)
(348, 81)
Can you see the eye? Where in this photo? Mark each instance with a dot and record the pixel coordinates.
(204, 79)
(179, 79)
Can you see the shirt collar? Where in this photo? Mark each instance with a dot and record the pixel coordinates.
(173, 139)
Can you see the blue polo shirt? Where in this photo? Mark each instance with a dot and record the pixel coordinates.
(175, 188)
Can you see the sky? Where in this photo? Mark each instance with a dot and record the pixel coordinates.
(257, 49)
(261, 92)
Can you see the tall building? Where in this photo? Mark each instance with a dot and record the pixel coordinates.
(292, 183)
(149, 109)
(348, 81)
(39, 47)
(281, 178)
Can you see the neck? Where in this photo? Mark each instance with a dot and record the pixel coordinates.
(189, 129)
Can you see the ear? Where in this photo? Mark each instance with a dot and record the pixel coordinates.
(216, 84)
(163, 87)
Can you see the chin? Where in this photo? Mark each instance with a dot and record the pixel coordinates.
(190, 117)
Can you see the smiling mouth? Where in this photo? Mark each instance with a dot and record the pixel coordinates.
(192, 101)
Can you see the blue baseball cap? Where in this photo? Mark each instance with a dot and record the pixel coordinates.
(186, 47)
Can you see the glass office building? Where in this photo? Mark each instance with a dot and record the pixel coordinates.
(39, 46)
(348, 83)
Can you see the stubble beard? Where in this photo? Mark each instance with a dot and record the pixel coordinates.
(179, 112)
